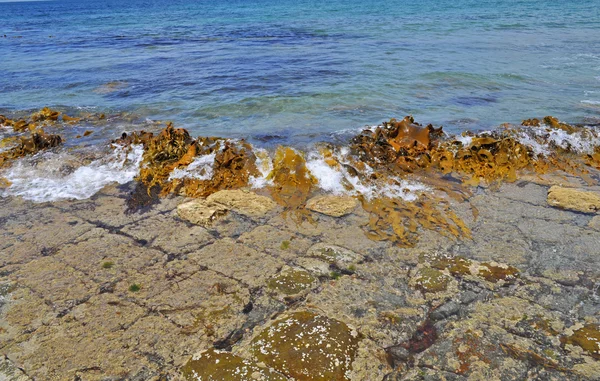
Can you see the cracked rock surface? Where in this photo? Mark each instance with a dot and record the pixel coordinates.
(90, 292)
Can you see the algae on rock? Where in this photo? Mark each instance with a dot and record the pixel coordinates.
(224, 366)
(291, 281)
(307, 346)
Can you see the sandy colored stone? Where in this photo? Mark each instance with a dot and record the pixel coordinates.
(237, 261)
(595, 223)
(201, 212)
(574, 199)
(247, 203)
(335, 206)
(9, 372)
(169, 234)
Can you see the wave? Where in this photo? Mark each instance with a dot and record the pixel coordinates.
(47, 182)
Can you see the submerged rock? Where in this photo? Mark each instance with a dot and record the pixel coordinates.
(224, 366)
(201, 212)
(334, 206)
(246, 203)
(307, 346)
(574, 199)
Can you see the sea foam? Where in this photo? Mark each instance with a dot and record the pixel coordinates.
(42, 185)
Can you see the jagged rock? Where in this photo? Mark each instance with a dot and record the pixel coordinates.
(307, 346)
(201, 212)
(247, 203)
(334, 206)
(574, 199)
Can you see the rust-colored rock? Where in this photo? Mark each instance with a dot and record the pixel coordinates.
(292, 180)
(38, 141)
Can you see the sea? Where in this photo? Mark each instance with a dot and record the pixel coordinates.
(295, 72)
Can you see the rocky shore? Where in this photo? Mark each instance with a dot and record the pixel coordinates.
(232, 288)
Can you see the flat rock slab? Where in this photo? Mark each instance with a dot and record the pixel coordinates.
(206, 211)
(246, 203)
(201, 212)
(334, 206)
(574, 199)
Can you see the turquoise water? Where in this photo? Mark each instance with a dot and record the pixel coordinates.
(303, 69)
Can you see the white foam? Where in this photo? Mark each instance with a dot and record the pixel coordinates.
(464, 140)
(44, 184)
(265, 166)
(591, 102)
(339, 181)
(537, 147)
(201, 168)
(330, 179)
(580, 142)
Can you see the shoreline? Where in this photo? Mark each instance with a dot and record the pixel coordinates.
(462, 258)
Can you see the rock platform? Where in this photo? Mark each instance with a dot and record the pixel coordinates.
(89, 292)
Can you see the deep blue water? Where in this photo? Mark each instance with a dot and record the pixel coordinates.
(305, 67)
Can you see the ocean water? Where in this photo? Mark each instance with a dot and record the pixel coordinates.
(285, 72)
(301, 69)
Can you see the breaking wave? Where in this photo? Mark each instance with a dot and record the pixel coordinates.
(46, 181)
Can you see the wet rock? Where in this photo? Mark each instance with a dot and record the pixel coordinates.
(334, 206)
(247, 203)
(217, 365)
(4, 183)
(445, 311)
(307, 346)
(292, 180)
(201, 212)
(291, 281)
(574, 199)
(38, 141)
